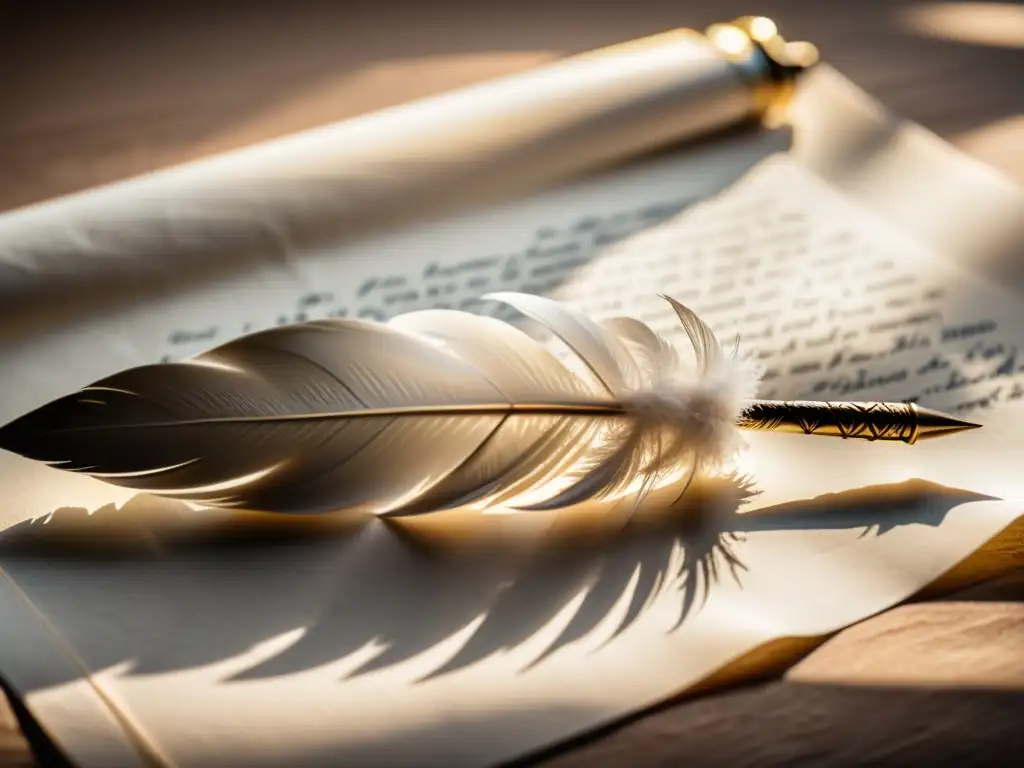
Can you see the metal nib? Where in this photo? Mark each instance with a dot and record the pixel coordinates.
(905, 422)
(932, 424)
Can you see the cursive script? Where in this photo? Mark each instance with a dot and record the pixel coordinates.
(835, 306)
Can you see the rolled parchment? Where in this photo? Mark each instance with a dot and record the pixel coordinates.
(267, 203)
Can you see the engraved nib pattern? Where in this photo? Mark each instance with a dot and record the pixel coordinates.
(905, 422)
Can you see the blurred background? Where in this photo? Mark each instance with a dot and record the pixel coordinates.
(92, 93)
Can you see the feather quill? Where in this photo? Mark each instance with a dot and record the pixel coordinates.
(432, 410)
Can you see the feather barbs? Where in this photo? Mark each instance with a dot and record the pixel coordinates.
(432, 410)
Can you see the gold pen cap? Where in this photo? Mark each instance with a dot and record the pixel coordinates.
(771, 64)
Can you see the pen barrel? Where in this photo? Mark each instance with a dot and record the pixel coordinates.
(848, 420)
(265, 205)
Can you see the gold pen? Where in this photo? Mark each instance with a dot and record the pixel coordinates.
(903, 422)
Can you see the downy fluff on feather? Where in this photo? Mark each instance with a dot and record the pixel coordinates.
(432, 410)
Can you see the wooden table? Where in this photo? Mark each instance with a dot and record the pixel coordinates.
(89, 96)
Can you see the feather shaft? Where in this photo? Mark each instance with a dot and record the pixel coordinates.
(537, 409)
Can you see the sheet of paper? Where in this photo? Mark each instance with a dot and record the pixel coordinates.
(146, 632)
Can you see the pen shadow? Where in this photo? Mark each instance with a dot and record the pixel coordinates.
(159, 587)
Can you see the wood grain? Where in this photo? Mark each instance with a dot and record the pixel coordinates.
(14, 752)
(938, 683)
(93, 94)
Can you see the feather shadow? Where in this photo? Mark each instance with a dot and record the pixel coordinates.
(158, 587)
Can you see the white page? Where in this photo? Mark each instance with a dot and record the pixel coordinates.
(328, 643)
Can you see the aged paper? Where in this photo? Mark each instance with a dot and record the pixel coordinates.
(147, 632)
